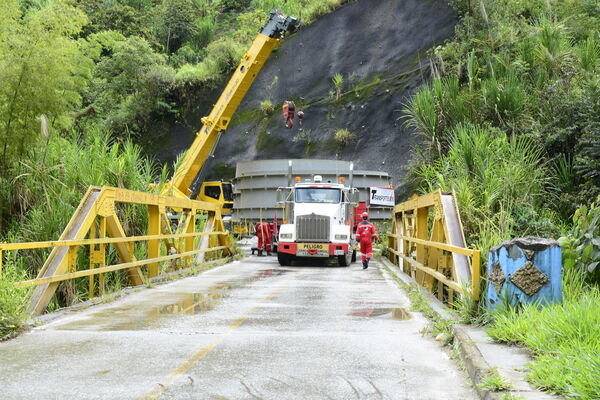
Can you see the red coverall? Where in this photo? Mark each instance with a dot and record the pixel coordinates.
(288, 113)
(364, 232)
(263, 232)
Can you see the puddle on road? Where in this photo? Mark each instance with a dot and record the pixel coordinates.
(393, 313)
(142, 316)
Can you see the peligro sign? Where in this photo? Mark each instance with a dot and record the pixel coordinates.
(381, 196)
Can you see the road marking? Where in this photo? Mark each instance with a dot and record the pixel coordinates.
(203, 351)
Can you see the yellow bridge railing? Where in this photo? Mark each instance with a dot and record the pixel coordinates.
(427, 242)
(183, 231)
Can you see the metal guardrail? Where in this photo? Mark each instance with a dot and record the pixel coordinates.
(428, 243)
(97, 218)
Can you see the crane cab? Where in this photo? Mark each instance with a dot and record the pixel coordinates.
(217, 192)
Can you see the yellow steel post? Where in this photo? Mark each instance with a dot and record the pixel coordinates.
(73, 258)
(92, 278)
(421, 215)
(154, 227)
(475, 274)
(190, 228)
(101, 253)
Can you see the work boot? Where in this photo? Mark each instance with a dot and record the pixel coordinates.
(365, 264)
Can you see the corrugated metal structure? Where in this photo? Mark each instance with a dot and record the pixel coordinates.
(256, 183)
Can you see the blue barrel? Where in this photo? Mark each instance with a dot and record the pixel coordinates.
(524, 270)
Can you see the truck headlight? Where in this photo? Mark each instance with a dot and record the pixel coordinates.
(286, 235)
(341, 237)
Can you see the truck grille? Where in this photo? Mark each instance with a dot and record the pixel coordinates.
(312, 228)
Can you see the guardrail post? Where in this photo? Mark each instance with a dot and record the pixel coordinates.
(154, 225)
(421, 215)
(189, 241)
(101, 253)
(92, 278)
(475, 274)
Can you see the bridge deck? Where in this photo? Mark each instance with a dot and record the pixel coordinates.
(246, 330)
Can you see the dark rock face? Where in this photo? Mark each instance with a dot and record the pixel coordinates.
(378, 46)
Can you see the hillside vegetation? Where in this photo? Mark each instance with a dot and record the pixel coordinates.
(511, 117)
(511, 121)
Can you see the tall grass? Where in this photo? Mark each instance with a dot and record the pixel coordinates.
(496, 178)
(308, 10)
(563, 338)
(48, 187)
(12, 300)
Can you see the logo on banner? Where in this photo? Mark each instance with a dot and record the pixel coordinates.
(381, 196)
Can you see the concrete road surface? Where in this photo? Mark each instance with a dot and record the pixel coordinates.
(246, 330)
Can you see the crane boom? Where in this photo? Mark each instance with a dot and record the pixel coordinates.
(219, 118)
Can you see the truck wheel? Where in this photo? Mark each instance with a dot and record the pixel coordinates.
(284, 259)
(353, 256)
(345, 260)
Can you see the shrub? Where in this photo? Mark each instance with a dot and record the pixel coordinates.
(266, 106)
(344, 137)
(12, 300)
(581, 248)
(205, 31)
(338, 82)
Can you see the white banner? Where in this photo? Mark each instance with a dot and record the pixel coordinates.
(379, 196)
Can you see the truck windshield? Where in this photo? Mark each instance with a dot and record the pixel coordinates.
(227, 192)
(317, 195)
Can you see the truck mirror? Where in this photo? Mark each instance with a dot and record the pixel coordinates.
(283, 194)
(354, 196)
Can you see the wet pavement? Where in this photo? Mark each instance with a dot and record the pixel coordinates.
(246, 330)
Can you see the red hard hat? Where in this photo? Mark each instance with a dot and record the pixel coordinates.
(365, 215)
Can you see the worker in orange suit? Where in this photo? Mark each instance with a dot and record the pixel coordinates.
(289, 108)
(263, 232)
(365, 233)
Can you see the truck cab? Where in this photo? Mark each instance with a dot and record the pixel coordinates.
(217, 192)
(320, 216)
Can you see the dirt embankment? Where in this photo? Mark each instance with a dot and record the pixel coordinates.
(378, 46)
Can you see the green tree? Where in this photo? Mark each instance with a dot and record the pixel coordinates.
(113, 15)
(42, 71)
(175, 22)
(132, 84)
(234, 5)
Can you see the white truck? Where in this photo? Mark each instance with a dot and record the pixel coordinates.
(321, 222)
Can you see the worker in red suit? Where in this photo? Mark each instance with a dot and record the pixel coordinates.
(300, 117)
(365, 233)
(289, 108)
(263, 232)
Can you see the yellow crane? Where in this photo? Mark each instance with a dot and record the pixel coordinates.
(219, 118)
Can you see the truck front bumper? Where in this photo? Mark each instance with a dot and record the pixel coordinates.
(313, 249)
